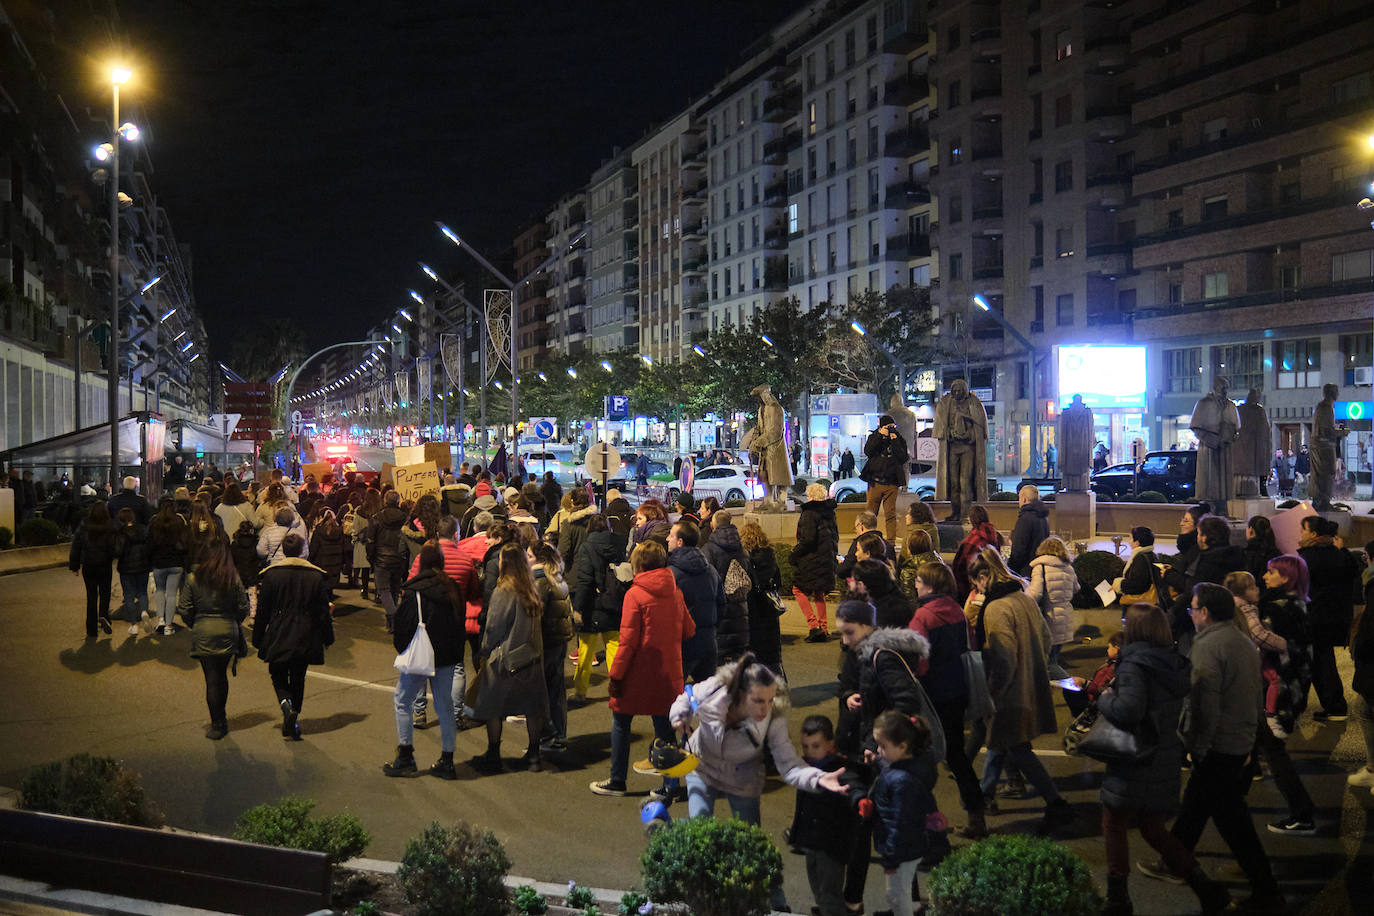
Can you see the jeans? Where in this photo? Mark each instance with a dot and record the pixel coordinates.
(901, 884)
(1025, 760)
(460, 675)
(216, 670)
(135, 588)
(884, 496)
(1285, 776)
(167, 581)
(97, 582)
(1151, 824)
(620, 743)
(586, 655)
(825, 874)
(557, 726)
(951, 713)
(389, 580)
(1216, 791)
(288, 680)
(1326, 679)
(408, 687)
(701, 802)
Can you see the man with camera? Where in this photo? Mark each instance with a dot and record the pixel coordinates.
(885, 471)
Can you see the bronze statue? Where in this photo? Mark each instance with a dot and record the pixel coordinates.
(1076, 445)
(961, 425)
(1215, 423)
(1326, 436)
(765, 442)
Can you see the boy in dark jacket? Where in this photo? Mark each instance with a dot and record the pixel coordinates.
(823, 826)
(131, 547)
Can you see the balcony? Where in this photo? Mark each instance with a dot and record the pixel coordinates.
(907, 245)
(695, 267)
(695, 230)
(775, 151)
(694, 160)
(1110, 259)
(905, 35)
(906, 194)
(986, 40)
(695, 302)
(775, 236)
(907, 141)
(775, 194)
(781, 106)
(987, 213)
(906, 90)
(1037, 262)
(694, 195)
(1364, 286)
(992, 271)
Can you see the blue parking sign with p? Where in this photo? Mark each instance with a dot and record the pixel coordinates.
(543, 430)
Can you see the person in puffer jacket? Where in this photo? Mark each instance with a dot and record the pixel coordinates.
(722, 549)
(131, 547)
(598, 595)
(740, 711)
(1053, 584)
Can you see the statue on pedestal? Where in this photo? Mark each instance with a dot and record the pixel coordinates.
(905, 419)
(1215, 423)
(765, 443)
(961, 425)
(1076, 445)
(1326, 437)
(1250, 456)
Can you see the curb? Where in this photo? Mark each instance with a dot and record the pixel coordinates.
(70, 900)
(33, 559)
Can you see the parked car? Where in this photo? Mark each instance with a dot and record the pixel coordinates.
(726, 482)
(536, 463)
(625, 476)
(1173, 473)
(844, 490)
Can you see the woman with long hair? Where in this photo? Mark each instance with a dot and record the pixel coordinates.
(356, 528)
(214, 604)
(168, 541)
(556, 626)
(1260, 546)
(765, 637)
(328, 545)
(202, 528)
(982, 533)
(233, 509)
(1053, 584)
(513, 680)
(431, 593)
(92, 556)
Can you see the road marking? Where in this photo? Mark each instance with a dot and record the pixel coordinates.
(353, 682)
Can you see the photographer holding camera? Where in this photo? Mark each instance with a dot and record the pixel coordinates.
(885, 471)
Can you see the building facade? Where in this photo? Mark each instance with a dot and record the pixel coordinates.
(567, 289)
(613, 255)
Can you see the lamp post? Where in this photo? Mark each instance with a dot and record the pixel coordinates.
(1035, 468)
(470, 310)
(118, 76)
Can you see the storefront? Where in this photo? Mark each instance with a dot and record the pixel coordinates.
(1111, 380)
(839, 422)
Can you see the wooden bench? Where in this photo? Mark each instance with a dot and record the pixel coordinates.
(179, 868)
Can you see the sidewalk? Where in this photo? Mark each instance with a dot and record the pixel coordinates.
(33, 559)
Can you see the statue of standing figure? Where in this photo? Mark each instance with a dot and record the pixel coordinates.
(1215, 423)
(765, 442)
(961, 425)
(1326, 437)
(1250, 456)
(905, 419)
(1076, 445)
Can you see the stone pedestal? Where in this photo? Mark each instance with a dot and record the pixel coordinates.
(776, 525)
(1340, 517)
(951, 533)
(1075, 514)
(1244, 508)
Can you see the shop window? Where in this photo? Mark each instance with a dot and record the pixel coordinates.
(1355, 358)
(1298, 363)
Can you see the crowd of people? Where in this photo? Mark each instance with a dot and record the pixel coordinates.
(938, 659)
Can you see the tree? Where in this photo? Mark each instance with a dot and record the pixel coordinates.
(899, 322)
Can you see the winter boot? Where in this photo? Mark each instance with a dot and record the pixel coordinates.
(1213, 896)
(404, 764)
(977, 827)
(1118, 897)
(288, 718)
(444, 767)
(531, 761)
(218, 729)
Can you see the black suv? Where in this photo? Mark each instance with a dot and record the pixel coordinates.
(1172, 473)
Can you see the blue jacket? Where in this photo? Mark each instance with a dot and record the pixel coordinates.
(901, 802)
(704, 594)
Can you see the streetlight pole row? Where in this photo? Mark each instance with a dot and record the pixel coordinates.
(290, 386)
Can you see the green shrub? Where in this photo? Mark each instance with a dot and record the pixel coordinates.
(1092, 567)
(733, 504)
(580, 898)
(1024, 875)
(1006, 496)
(366, 908)
(288, 823)
(97, 788)
(6, 537)
(1151, 496)
(783, 554)
(38, 532)
(455, 871)
(717, 868)
(662, 478)
(633, 903)
(529, 902)
(854, 498)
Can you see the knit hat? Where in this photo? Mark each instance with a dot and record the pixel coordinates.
(855, 609)
(485, 501)
(886, 420)
(686, 502)
(816, 491)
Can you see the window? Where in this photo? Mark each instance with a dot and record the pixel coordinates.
(811, 164)
(1175, 292)
(1213, 208)
(813, 264)
(872, 138)
(1038, 301)
(956, 267)
(1175, 219)
(851, 103)
(830, 155)
(920, 276)
(811, 118)
(1183, 370)
(1063, 176)
(810, 72)
(954, 93)
(955, 208)
(1037, 177)
(1063, 242)
(793, 224)
(1290, 276)
(1037, 240)
(1216, 286)
(1037, 114)
(952, 38)
(1063, 45)
(851, 147)
(956, 151)
(1063, 111)
(1347, 177)
(1063, 310)
(873, 187)
(871, 34)
(1352, 265)
(1352, 88)
(831, 253)
(1355, 358)
(1241, 364)
(1214, 130)
(849, 48)
(1298, 363)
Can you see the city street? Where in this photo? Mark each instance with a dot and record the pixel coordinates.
(141, 700)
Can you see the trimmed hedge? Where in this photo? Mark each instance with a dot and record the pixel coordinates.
(97, 788)
(1021, 875)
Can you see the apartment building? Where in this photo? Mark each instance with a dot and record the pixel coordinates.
(531, 250)
(567, 288)
(671, 166)
(613, 255)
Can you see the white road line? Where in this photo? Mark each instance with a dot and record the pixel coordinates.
(354, 682)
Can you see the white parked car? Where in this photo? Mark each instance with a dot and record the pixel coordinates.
(923, 487)
(536, 463)
(726, 482)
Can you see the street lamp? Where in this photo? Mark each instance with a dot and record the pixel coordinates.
(606, 364)
(119, 75)
(1035, 468)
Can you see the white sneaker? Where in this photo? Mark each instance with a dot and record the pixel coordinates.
(1275, 728)
(169, 630)
(133, 629)
(1363, 777)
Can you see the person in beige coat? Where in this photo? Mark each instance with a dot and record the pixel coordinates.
(1013, 636)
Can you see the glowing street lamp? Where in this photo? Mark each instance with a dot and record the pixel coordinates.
(572, 373)
(606, 364)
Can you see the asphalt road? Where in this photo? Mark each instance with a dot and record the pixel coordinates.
(142, 700)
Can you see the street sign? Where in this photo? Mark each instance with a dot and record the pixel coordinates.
(543, 430)
(602, 461)
(617, 407)
(297, 422)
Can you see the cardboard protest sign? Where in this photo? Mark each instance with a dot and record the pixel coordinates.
(318, 468)
(437, 452)
(415, 480)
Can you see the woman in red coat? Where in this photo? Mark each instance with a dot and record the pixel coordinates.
(646, 674)
(982, 534)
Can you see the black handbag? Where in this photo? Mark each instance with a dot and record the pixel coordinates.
(1094, 735)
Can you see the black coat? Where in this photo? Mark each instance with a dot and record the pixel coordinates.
(131, 546)
(93, 553)
(1151, 684)
(732, 630)
(884, 681)
(891, 608)
(765, 636)
(814, 556)
(704, 596)
(328, 551)
(1335, 575)
(385, 545)
(129, 499)
(590, 579)
(244, 548)
(1032, 527)
(443, 621)
(1257, 558)
(293, 623)
(167, 542)
(901, 798)
(1362, 649)
(887, 460)
(825, 821)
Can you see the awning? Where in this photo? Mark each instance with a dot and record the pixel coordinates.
(206, 438)
(90, 447)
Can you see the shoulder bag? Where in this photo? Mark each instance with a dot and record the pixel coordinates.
(418, 658)
(927, 710)
(980, 704)
(1093, 735)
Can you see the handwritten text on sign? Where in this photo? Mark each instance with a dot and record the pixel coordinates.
(415, 480)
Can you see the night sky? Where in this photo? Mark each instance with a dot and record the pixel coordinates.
(304, 148)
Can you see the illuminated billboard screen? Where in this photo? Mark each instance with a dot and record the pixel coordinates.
(1107, 377)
